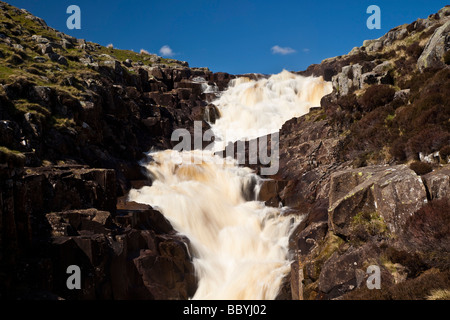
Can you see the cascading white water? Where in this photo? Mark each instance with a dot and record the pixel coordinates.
(239, 246)
(249, 108)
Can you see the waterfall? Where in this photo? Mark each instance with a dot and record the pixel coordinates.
(239, 246)
(249, 108)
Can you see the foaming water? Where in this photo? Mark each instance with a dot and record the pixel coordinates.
(240, 247)
(251, 108)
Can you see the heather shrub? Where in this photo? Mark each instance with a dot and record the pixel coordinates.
(447, 57)
(428, 229)
(410, 260)
(420, 168)
(397, 149)
(414, 50)
(429, 32)
(444, 153)
(429, 139)
(419, 288)
(376, 96)
(348, 102)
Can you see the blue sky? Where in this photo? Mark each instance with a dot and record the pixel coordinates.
(235, 36)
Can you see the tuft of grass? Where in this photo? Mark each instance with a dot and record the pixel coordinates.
(439, 294)
(365, 225)
(23, 106)
(61, 123)
(11, 156)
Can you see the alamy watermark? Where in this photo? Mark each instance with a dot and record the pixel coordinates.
(374, 279)
(74, 20)
(374, 21)
(74, 280)
(262, 150)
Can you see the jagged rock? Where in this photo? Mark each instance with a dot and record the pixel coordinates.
(66, 44)
(392, 192)
(402, 95)
(270, 190)
(211, 113)
(39, 59)
(74, 222)
(62, 60)
(395, 34)
(128, 63)
(46, 48)
(348, 78)
(438, 183)
(437, 46)
(342, 273)
(32, 124)
(142, 216)
(10, 133)
(39, 39)
(310, 237)
(18, 46)
(383, 67)
(114, 65)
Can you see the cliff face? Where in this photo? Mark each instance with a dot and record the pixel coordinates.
(66, 106)
(363, 167)
(368, 170)
(65, 100)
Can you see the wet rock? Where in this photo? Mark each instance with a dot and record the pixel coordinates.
(39, 39)
(270, 192)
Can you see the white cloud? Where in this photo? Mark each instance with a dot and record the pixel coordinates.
(166, 51)
(282, 50)
(306, 50)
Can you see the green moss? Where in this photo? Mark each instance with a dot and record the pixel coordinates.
(389, 118)
(23, 106)
(11, 156)
(60, 123)
(329, 245)
(5, 71)
(365, 225)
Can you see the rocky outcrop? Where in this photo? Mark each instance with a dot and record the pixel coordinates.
(372, 62)
(394, 193)
(433, 54)
(55, 217)
(105, 110)
(438, 183)
(370, 211)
